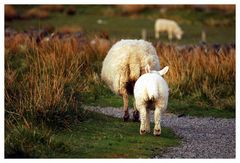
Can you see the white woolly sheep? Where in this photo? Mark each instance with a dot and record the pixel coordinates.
(151, 92)
(169, 26)
(124, 64)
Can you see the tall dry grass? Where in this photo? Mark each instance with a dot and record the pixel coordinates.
(42, 84)
(201, 72)
(49, 75)
(47, 79)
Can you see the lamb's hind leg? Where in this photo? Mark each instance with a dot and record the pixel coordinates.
(143, 119)
(157, 127)
(148, 121)
(157, 117)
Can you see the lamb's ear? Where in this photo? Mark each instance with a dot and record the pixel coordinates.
(164, 70)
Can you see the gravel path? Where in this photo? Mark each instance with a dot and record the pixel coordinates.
(201, 137)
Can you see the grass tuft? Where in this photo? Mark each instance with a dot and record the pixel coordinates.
(24, 142)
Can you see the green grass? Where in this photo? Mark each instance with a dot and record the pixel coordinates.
(198, 108)
(120, 27)
(99, 136)
(187, 106)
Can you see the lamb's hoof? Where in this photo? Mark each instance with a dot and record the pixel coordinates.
(157, 132)
(142, 132)
(136, 116)
(126, 118)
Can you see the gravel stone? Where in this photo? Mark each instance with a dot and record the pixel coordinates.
(201, 137)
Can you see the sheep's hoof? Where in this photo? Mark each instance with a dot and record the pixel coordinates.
(157, 132)
(126, 118)
(136, 116)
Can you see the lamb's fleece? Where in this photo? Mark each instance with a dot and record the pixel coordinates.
(151, 92)
(151, 87)
(125, 62)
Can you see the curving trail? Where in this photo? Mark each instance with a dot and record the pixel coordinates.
(201, 137)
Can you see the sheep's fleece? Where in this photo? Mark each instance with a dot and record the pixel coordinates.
(125, 62)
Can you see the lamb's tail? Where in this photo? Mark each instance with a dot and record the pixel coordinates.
(152, 92)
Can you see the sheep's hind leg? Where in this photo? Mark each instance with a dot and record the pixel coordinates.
(135, 113)
(125, 107)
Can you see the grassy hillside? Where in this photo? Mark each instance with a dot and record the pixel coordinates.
(49, 79)
(218, 25)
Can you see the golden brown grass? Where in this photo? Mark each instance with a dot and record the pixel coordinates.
(69, 29)
(52, 8)
(132, 9)
(36, 12)
(51, 73)
(10, 12)
(54, 72)
(16, 43)
(200, 72)
(101, 46)
(226, 7)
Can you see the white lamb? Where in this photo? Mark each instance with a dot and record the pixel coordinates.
(169, 26)
(124, 64)
(151, 91)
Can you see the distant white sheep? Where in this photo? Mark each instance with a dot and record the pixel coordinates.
(169, 26)
(125, 63)
(151, 92)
